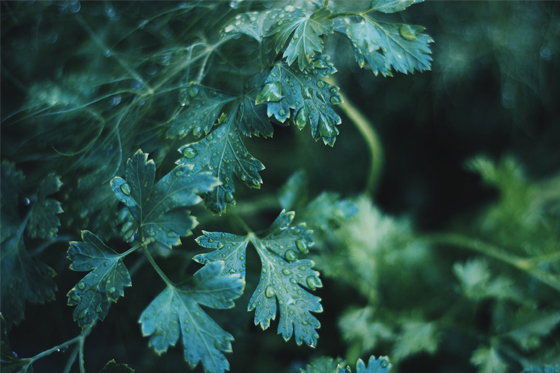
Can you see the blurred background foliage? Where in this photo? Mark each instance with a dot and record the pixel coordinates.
(472, 148)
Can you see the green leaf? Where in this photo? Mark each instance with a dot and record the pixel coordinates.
(203, 106)
(363, 326)
(176, 311)
(252, 118)
(328, 211)
(294, 193)
(224, 154)
(390, 45)
(488, 360)
(303, 32)
(9, 361)
(113, 367)
(530, 327)
(284, 277)
(329, 365)
(23, 279)
(106, 281)
(43, 220)
(159, 210)
(303, 97)
(544, 369)
(416, 337)
(392, 6)
(253, 24)
(322, 364)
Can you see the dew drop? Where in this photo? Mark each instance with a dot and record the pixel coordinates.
(286, 272)
(384, 363)
(270, 292)
(408, 32)
(335, 100)
(302, 246)
(81, 285)
(282, 112)
(313, 282)
(193, 91)
(189, 152)
(125, 188)
(290, 255)
(229, 197)
(289, 8)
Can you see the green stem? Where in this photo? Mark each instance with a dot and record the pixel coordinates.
(78, 339)
(372, 140)
(156, 267)
(492, 251)
(71, 360)
(237, 219)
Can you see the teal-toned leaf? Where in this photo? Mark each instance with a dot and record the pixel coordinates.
(488, 360)
(364, 326)
(113, 367)
(303, 31)
(386, 46)
(253, 24)
(327, 211)
(323, 364)
(305, 98)
(203, 106)
(416, 337)
(294, 193)
(43, 221)
(529, 328)
(284, 278)
(8, 359)
(544, 369)
(229, 248)
(176, 311)
(23, 279)
(379, 365)
(392, 6)
(224, 154)
(105, 282)
(252, 118)
(159, 210)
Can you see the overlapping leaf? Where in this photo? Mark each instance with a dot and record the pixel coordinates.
(8, 359)
(160, 209)
(113, 367)
(386, 46)
(203, 106)
(43, 220)
(253, 24)
(106, 281)
(224, 154)
(252, 118)
(176, 311)
(23, 279)
(329, 365)
(284, 277)
(392, 6)
(303, 97)
(303, 31)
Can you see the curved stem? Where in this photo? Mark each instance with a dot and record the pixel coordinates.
(522, 264)
(80, 339)
(156, 267)
(371, 138)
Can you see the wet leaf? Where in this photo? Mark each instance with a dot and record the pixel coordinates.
(43, 221)
(223, 153)
(176, 312)
(392, 6)
(302, 32)
(385, 46)
(106, 281)
(159, 210)
(285, 279)
(304, 98)
(23, 278)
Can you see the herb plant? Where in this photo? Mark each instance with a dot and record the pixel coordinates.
(134, 164)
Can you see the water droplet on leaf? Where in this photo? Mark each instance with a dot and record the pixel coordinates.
(270, 292)
(189, 152)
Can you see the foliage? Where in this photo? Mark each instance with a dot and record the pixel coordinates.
(446, 260)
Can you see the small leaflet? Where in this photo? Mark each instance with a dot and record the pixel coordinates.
(105, 283)
(286, 281)
(159, 209)
(176, 312)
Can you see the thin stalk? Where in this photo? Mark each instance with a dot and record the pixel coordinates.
(71, 360)
(156, 267)
(237, 219)
(492, 251)
(372, 140)
(78, 339)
